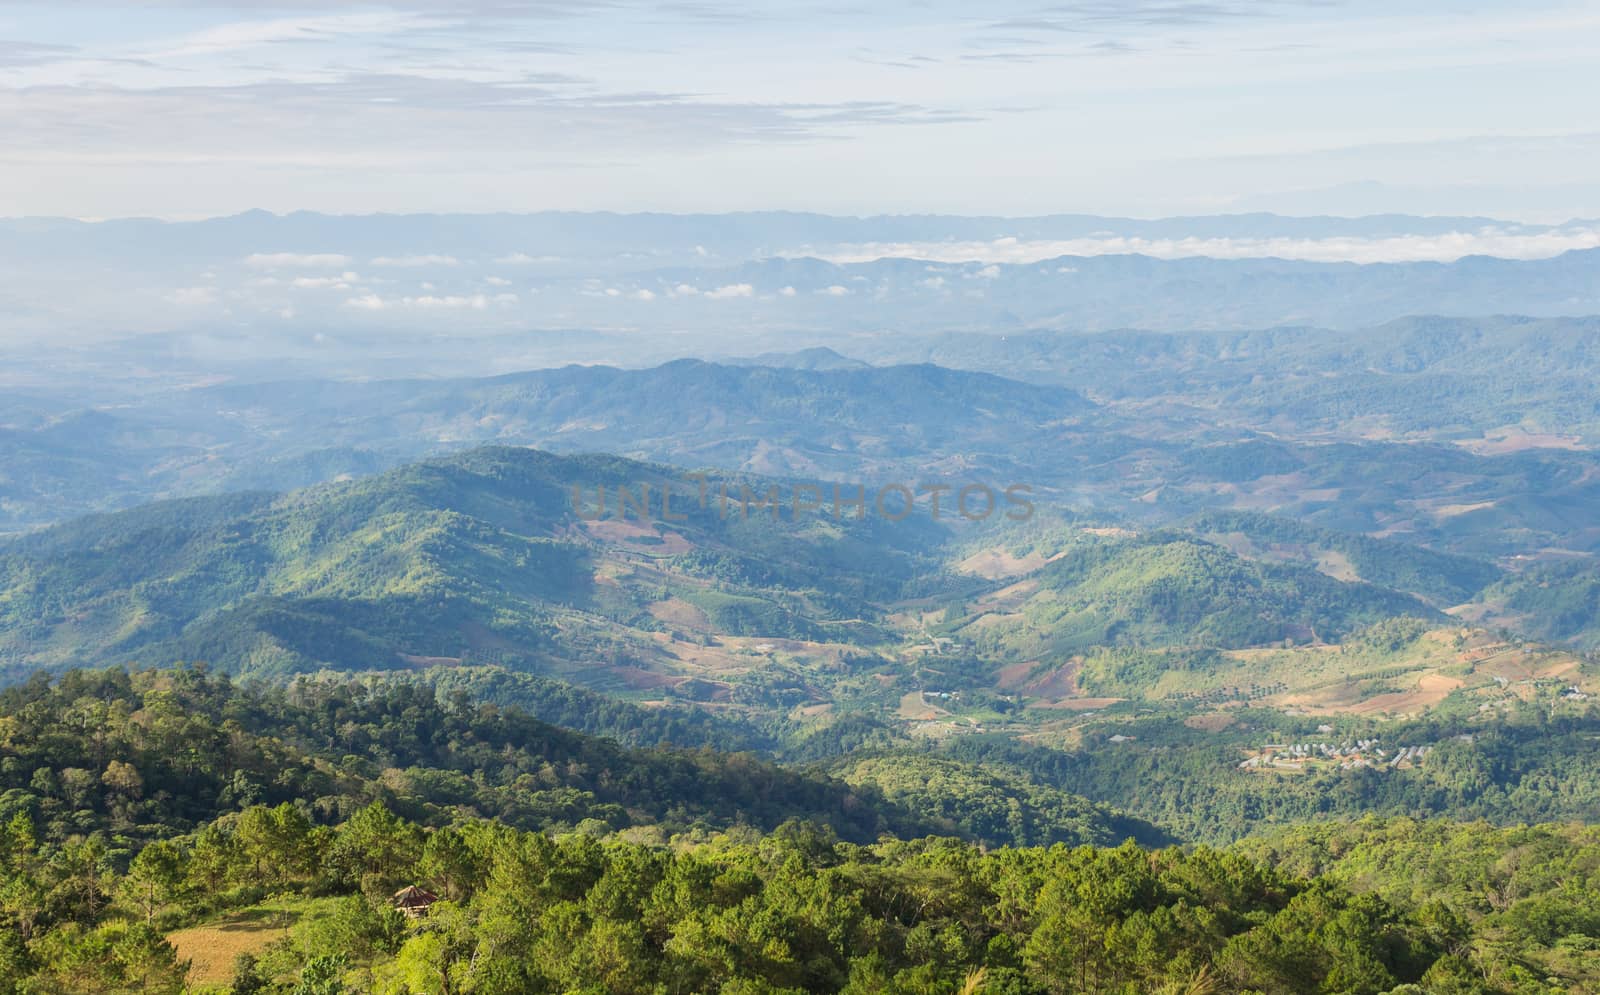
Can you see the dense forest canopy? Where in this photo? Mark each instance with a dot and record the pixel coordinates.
(156, 806)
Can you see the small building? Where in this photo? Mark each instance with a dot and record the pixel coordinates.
(414, 901)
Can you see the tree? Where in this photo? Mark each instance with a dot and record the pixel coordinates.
(377, 848)
(449, 863)
(149, 963)
(323, 975)
(277, 838)
(248, 978)
(80, 868)
(214, 859)
(155, 878)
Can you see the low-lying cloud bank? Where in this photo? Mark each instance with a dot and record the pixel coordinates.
(1446, 247)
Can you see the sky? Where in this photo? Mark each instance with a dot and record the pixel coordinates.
(1146, 108)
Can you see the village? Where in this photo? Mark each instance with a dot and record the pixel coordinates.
(1348, 755)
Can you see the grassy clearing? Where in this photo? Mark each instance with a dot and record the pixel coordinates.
(212, 947)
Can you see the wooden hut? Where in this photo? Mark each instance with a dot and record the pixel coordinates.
(414, 901)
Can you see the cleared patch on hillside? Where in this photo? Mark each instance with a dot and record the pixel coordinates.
(681, 614)
(915, 708)
(1516, 439)
(997, 564)
(638, 537)
(1426, 691)
(211, 949)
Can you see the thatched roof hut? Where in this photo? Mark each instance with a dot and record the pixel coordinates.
(414, 901)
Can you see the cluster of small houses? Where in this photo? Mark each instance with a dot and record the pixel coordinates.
(1348, 756)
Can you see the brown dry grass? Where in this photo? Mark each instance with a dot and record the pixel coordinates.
(1344, 698)
(1213, 722)
(994, 564)
(625, 533)
(211, 949)
(680, 613)
(1515, 439)
(916, 708)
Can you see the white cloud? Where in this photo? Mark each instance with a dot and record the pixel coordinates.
(296, 260)
(432, 302)
(613, 292)
(497, 281)
(732, 290)
(193, 296)
(1446, 247)
(989, 272)
(834, 291)
(476, 302)
(684, 290)
(523, 259)
(644, 295)
(341, 282)
(787, 292)
(415, 262)
(933, 283)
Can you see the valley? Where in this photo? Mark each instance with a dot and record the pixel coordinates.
(545, 497)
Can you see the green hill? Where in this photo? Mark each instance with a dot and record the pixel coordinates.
(991, 802)
(1557, 601)
(1442, 579)
(480, 557)
(1169, 589)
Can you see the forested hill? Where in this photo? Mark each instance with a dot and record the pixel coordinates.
(149, 754)
(153, 753)
(484, 554)
(1444, 579)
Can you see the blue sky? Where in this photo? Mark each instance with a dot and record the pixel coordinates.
(183, 109)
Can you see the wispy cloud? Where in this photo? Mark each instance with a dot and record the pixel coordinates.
(241, 35)
(17, 54)
(341, 282)
(713, 104)
(296, 260)
(523, 259)
(1102, 15)
(431, 302)
(415, 262)
(371, 121)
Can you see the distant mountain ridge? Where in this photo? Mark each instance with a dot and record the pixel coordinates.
(815, 358)
(820, 417)
(328, 292)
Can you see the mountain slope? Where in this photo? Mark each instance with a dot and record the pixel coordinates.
(1443, 579)
(481, 556)
(816, 418)
(1167, 589)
